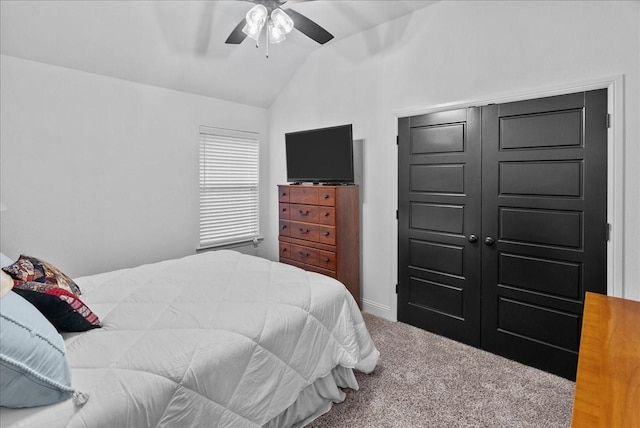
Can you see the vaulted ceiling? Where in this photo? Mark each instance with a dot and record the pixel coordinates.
(179, 44)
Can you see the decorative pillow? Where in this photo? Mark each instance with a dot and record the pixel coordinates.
(63, 309)
(33, 366)
(28, 268)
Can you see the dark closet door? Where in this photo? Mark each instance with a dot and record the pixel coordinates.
(544, 166)
(530, 182)
(439, 221)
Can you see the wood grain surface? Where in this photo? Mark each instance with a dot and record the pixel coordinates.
(608, 379)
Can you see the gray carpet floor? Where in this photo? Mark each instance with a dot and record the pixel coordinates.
(424, 380)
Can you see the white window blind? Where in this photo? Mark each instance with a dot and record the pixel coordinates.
(228, 186)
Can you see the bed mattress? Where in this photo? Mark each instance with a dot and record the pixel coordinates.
(215, 339)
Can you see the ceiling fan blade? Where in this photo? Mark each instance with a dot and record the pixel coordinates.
(237, 36)
(309, 28)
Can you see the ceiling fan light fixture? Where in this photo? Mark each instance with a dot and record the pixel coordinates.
(276, 35)
(257, 15)
(255, 18)
(281, 20)
(278, 23)
(252, 31)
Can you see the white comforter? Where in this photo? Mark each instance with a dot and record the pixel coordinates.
(216, 339)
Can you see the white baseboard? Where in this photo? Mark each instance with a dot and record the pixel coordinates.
(377, 309)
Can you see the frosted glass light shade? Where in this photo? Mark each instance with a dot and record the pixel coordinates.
(275, 34)
(257, 15)
(281, 21)
(252, 31)
(255, 18)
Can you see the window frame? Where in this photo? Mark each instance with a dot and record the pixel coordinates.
(214, 188)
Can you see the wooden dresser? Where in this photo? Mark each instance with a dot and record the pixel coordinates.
(320, 231)
(608, 381)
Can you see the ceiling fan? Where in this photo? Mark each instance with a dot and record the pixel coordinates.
(278, 22)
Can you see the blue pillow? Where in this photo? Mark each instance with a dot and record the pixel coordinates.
(33, 365)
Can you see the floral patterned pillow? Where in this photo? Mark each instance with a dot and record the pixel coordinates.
(31, 269)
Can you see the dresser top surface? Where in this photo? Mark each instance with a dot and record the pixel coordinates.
(608, 378)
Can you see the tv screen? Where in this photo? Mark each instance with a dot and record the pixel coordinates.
(320, 155)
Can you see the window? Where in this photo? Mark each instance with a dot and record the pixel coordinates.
(228, 186)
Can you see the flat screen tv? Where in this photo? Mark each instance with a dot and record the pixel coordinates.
(322, 155)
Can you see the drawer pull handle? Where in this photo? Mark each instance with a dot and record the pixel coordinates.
(303, 254)
(284, 210)
(284, 226)
(326, 196)
(304, 212)
(326, 214)
(327, 234)
(326, 260)
(303, 231)
(284, 250)
(283, 194)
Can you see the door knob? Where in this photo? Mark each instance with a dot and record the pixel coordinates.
(472, 238)
(489, 240)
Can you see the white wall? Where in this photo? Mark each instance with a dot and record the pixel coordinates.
(452, 52)
(100, 173)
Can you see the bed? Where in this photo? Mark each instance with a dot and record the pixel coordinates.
(215, 339)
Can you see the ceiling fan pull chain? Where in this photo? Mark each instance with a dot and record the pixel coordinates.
(267, 36)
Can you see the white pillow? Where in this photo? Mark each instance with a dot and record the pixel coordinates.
(6, 283)
(4, 260)
(33, 365)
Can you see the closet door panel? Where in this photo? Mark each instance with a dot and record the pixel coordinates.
(553, 130)
(544, 206)
(439, 211)
(560, 278)
(541, 178)
(437, 217)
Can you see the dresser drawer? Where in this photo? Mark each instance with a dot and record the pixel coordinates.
(327, 260)
(306, 255)
(327, 215)
(284, 228)
(310, 268)
(312, 256)
(283, 193)
(306, 231)
(327, 196)
(285, 250)
(303, 195)
(306, 213)
(327, 234)
(284, 210)
(313, 195)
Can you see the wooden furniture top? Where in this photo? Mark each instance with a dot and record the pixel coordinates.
(608, 379)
